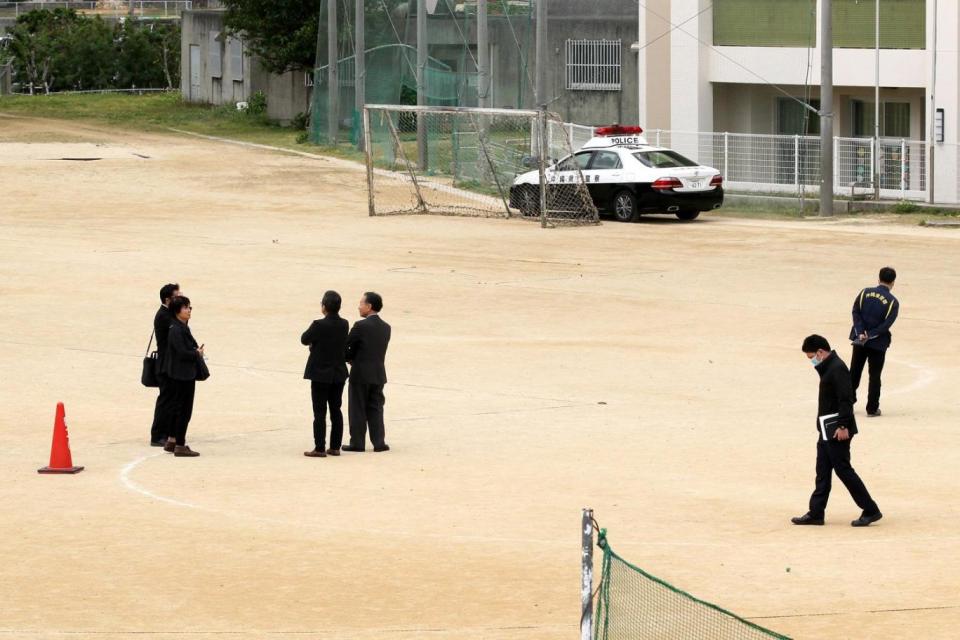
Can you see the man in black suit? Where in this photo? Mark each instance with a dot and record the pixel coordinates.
(835, 406)
(366, 352)
(161, 329)
(327, 372)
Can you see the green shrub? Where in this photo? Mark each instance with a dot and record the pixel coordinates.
(906, 207)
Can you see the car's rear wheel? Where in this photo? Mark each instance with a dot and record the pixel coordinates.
(625, 207)
(688, 215)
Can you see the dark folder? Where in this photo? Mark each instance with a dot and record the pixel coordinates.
(828, 425)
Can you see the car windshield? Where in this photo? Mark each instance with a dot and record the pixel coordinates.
(664, 159)
(572, 163)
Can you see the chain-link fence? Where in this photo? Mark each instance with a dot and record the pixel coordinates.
(475, 162)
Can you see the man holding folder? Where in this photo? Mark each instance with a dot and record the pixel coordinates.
(836, 427)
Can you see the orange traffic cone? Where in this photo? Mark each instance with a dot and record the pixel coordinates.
(60, 459)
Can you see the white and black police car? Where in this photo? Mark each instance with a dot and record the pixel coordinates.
(628, 177)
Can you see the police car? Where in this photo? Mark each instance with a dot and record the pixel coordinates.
(627, 177)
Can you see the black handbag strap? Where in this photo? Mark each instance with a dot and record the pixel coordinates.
(149, 344)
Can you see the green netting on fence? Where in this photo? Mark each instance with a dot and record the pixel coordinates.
(389, 78)
(634, 605)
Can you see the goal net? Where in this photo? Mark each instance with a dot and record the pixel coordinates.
(473, 162)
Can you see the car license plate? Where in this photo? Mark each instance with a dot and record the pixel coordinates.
(694, 184)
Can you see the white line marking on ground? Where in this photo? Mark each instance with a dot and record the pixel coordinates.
(133, 486)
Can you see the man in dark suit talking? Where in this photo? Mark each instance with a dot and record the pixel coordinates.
(366, 352)
(327, 372)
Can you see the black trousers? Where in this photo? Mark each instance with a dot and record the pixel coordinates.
(875, 358)
(181, 408)
(161, 411)
(366, 410)
(324, 394)
(833, 456)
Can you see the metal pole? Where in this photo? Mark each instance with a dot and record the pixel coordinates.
(876, 107)
(826, 107)
(933, 112)
(359, 68)
(586, 575)
(422, 51)
(543, 160)
(541, 52)
(483, 56)
(333, 82)
(371, 202)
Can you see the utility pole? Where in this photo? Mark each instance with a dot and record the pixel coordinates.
(359, 69)
(826, 107)
(541, 63)
(876, 108)
(483, 56)
(333, 82)
(422, 49)
(933, 111)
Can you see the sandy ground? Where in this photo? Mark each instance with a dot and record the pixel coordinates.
(651, 371)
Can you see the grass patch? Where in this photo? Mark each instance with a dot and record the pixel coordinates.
(158, 112)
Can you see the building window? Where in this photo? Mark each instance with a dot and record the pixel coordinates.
(215, 56)
(765, 23)
(236, 59)
(593, 65)
(794, 119)
(894, 119)
(902, 24)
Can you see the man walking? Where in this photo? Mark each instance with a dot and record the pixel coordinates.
(366, 352)
(161, 329)
(874, 312)
(327, 372)
(836, 427)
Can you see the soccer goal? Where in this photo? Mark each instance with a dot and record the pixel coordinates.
(473, 162)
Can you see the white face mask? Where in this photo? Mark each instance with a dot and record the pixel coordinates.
(815, 360)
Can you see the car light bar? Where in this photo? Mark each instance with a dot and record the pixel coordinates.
(617, 130)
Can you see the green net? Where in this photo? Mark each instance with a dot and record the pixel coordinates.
(390, 60)
(634, 605)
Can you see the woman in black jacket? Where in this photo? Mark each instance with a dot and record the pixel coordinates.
(182, 365)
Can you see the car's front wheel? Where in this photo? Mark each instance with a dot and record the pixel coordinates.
(625, 207)
(688, 215)
(529, 202)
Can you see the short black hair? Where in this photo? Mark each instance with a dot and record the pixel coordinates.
(179, 303)
(166, 291)
(331, 301)
(888, 275)
(813, 343)
(374, 300)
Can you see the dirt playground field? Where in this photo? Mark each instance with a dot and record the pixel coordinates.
(650, 371)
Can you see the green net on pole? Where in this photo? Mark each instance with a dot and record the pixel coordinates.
(634, 605)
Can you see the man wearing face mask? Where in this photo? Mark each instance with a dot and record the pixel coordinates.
(833, 453)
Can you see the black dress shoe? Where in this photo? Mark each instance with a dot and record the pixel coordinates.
(350, 447)
(158, 443)
(806, 519)
(875, 414)
(316, 453)
(384, 447)
(865, 520)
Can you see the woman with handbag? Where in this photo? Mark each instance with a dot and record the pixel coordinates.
(184, 365)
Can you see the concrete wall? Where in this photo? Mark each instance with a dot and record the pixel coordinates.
(233, 84)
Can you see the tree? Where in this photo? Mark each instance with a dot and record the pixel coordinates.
(283, 33)
(36, 39)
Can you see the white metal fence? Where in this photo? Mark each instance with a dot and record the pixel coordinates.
(789, 164)
(157, 8)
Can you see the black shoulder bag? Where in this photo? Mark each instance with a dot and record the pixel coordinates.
(149, 376)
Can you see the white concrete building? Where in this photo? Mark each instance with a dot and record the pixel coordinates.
(735, 65)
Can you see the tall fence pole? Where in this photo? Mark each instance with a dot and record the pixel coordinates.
(826, 108)
(586, 575)
(422, 55)
(359, 66)
(543, 162)
(333, 81)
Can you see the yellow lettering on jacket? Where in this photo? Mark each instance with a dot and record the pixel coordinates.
(878, 296)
